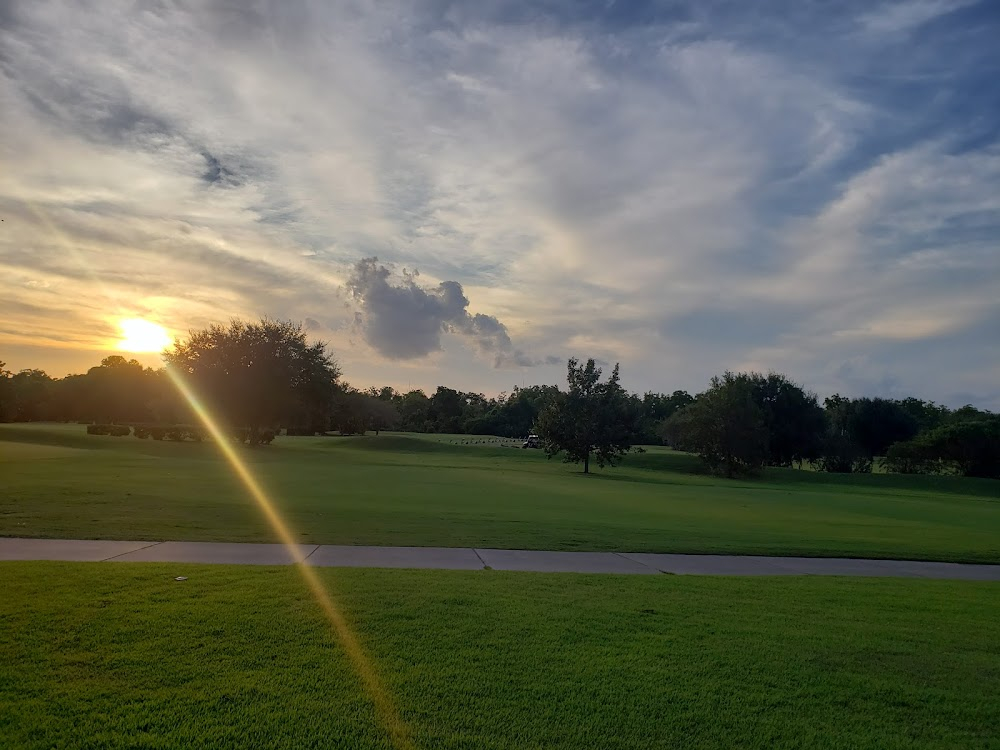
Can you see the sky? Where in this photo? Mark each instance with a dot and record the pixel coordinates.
(468, 194)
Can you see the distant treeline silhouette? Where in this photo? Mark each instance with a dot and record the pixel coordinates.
(262, 378)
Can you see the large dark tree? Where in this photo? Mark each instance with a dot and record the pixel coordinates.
(29, 395)
(724, 426)
(592, 419)
(6, 394)
(446, 409)
(654, 410)
(970, 447)
(119, 390)
(413, 409)
(876, 423)
(257, 376)
(794, 420)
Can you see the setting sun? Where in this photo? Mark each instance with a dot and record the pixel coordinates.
(142, 336)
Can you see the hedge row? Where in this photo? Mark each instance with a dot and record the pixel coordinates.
(176, 432)
(117, 430)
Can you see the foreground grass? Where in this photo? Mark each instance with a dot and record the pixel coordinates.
(407, 490)
(121, 655)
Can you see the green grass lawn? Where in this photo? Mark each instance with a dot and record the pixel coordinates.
(120, 655)
(409, 490)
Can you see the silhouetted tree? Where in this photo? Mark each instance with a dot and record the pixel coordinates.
(591, 419)
(876, 423)
(31, 391)
(793, 418)
(257, 375)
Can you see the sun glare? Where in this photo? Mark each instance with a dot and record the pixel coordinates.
(142, 336)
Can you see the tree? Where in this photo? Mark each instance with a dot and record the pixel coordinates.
(413, 408)
(6, 394)
(970, 447)
(31, 391)
(724, 426)
(256, 376)
(655, 409)
(592, 418)
(841, 453)
(876, 423)
(793, 418)
(119, 390)
(927, 414)
(445, 410)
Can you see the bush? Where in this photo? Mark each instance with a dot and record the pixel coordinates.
(266, 436)
(141, 432)
(841, 455)
(911, 457)
(117, 430)
(176, 433)
(157, 433)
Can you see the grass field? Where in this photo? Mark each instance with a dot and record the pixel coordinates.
(121, 655)
(411, 490)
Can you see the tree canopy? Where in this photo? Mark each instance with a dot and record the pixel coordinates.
(256, 375)
(724, 426)
(591, 419)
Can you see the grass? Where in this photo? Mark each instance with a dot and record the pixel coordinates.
(118, 655)
(411, 490)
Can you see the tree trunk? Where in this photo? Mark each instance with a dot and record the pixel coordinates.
(586, 463)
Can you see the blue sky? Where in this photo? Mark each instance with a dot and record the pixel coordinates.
(684, 187)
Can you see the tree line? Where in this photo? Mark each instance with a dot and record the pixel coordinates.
(262, 377)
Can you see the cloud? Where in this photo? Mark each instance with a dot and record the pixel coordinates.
(903, 15)
(403, 320)
(682, 188)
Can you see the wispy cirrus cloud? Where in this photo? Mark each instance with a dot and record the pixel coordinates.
(795, 186)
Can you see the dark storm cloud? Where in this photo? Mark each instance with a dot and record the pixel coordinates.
(403, 320)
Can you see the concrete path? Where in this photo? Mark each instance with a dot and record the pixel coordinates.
(464, 558)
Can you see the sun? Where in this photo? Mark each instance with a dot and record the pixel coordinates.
(140, 335)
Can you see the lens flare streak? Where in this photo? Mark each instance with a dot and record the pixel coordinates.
(384, 706)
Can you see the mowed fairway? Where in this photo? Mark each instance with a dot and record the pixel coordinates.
(121, 655)
(415, 490)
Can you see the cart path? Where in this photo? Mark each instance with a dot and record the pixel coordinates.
(467, 558)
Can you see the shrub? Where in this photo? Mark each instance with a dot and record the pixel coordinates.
(841, 455)
(266, 436)
(98, 429)
(911, 457)
(141, 432)
(157, 432)
(176, 433)
(119, 430)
